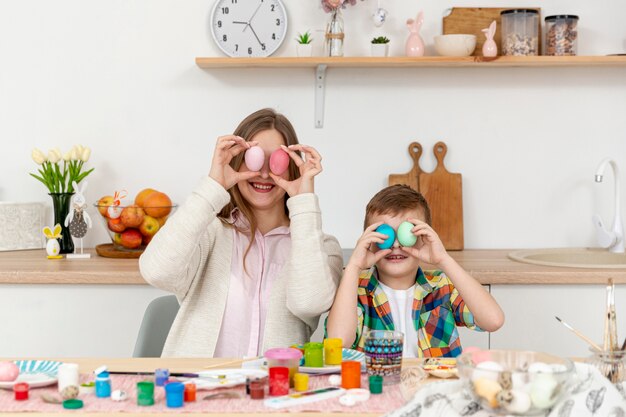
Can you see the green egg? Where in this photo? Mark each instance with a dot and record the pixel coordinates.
(405, 236)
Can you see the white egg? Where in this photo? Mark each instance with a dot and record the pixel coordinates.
(540, 367)
(521, 381)
(542, 391)
(334, 380)
(487, 370)
(520, 404)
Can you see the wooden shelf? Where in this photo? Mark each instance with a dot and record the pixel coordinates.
(409, 62)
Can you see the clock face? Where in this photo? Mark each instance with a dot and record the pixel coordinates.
(249, 28)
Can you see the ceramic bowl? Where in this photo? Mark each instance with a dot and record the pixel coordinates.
(455, 45)
(520, 383)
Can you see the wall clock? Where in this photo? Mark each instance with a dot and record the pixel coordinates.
(249, 28)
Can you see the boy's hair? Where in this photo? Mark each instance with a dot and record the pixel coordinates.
(396, 199)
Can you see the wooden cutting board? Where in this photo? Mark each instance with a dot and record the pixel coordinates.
(443, 191)
(410, 178)
(471, 20)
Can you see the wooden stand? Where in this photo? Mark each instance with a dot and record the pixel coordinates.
(107, 250)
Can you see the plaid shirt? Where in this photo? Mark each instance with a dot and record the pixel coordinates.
(437, 311)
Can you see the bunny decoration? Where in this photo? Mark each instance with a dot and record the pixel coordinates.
(415, 44)
(53, 248)
(78, 219)
(490, 49)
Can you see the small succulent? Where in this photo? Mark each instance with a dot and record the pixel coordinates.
(381, 39)
(304, 38)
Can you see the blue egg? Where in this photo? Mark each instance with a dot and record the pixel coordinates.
(405, 236)
(387, 230)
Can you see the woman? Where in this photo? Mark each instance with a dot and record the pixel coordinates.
(245, 255)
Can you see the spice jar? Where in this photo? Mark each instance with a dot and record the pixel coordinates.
(561, 35)
(520, 32)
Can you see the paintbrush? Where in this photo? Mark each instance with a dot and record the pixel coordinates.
(174, 374)
(579, 334)
(238, 361)
(612, 317)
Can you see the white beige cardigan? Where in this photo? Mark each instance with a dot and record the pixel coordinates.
(191, 257)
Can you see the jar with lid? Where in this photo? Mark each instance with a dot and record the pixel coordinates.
(561, 35)
(520, 32)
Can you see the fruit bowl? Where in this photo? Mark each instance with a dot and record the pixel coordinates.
(131, 227)
(520, 383)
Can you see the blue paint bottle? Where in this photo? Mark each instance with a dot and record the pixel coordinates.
(103, 385)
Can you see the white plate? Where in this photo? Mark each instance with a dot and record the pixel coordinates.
(222, 378)
(346, 355)
(35, 373)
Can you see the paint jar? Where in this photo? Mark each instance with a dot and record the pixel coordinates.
(279, 381)
(257, 388)
(103, 385)
(383, 354)
(376, 384)
(21, 391)
(314, 354)
(350, 374)
(145, 393)
(301, 382)
(174, 394)
(520, 32)
(332, 351)
(190, 392)
(284, 357)
(67, 375)
(161, 376)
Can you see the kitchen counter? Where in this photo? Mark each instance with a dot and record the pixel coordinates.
(487, 266)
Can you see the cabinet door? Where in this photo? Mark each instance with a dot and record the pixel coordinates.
(530, 310)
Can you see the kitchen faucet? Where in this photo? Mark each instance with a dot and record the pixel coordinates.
(614, 239)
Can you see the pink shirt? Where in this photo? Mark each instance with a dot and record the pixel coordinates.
(242, 328)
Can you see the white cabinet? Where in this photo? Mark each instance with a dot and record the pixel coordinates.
(529, 317)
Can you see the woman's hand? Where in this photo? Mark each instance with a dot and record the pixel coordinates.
(362, 257)
(226, 148)
(309, 167)
(428, 247)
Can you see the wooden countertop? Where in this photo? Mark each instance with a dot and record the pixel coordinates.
(487, 266)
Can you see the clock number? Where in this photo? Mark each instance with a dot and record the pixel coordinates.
(224, 38)
(225, 10)
(236, 47)
(273, 7)
(277, 22)
(249, 51)
(263, 46)
(273, 36)
(219, 23)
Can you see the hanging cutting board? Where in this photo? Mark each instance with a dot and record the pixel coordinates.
(410, 178)
(443, 191)
(471, 20)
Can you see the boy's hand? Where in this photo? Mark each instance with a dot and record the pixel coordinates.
(362, 257)
(429, 247)
(309, 167)
(226, 148)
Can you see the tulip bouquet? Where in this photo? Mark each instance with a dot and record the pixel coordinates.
(55, 178)
(331, 5)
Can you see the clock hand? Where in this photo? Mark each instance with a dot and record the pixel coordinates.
(253, 14)
(257, 38)
(241, 23)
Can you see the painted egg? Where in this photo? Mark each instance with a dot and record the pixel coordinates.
(8, 371)
(70, 392)
(405, 236)
(487, 370)
(387, 230)
(279, 161)
(488, 390)
(119, 395)
(255, 158)
(520, 403)
(504, 379)
(504, 397)
(542, 391)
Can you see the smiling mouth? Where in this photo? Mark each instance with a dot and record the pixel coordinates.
(395, 257)
(262, 188)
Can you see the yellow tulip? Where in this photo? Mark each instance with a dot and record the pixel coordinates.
(38, 156)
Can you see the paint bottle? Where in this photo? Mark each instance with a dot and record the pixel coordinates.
(103, 385)
(174, 394)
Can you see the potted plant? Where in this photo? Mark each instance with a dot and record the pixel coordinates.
(305, 45)
(380, 46)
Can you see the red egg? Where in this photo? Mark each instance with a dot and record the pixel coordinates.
(279, 161)
(255, 158)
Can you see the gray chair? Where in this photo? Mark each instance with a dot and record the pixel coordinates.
(156, 324)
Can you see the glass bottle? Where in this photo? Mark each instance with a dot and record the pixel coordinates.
(611, 364)
(334, 34)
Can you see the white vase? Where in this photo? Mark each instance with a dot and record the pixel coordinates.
(380, 49)
(304, 50)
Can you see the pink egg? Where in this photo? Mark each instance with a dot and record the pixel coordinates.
(8, 371)
(255, 158)
(279, 161)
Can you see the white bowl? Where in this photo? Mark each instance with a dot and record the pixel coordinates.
(455, 45)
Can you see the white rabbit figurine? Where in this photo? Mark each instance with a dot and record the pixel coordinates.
(53, 249)
(414, 43)
(78, 219)
(490, 49)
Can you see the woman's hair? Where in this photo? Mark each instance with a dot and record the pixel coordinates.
(396, 199)
(261, 120)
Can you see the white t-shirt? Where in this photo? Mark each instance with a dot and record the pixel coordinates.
(401, 304)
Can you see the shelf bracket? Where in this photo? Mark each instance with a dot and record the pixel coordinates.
(320, 92)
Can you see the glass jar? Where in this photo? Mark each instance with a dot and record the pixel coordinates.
(520, 32)
(611, 364)
(561, 35)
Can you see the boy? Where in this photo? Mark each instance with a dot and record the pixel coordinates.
(389, 290)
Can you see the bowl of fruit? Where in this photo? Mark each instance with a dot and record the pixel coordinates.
(132, 225)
